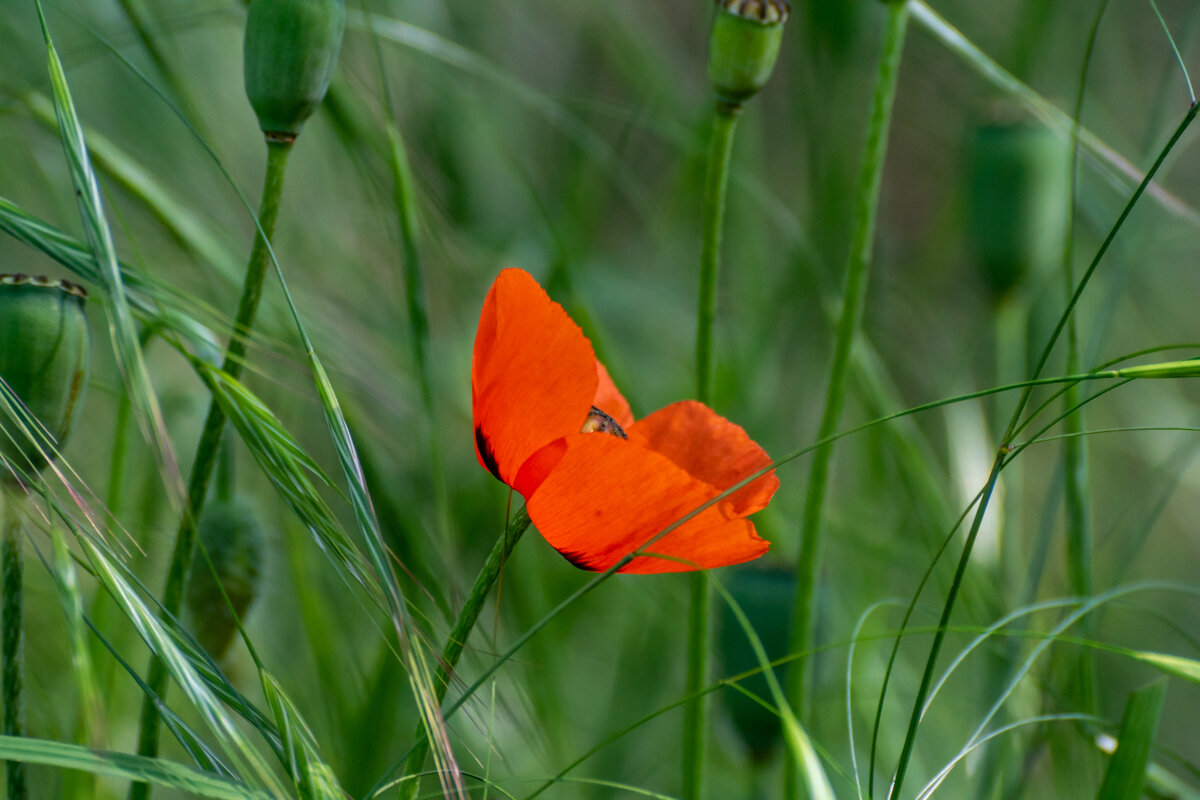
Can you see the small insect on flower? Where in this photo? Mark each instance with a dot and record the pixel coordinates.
(597, 499)
(599, 422)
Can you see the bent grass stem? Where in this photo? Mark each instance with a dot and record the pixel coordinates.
(210, 443)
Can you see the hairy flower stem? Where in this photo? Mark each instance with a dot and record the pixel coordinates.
(210, 443)
(695, 713)
(12, 644)
(488, 575)
(853, 299)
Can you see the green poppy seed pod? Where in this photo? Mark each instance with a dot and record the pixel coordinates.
(235, 544)
(45, 351)
(766, 597)
(291, 51)
(745, 42)
(1018, 201)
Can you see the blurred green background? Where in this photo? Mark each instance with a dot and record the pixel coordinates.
(569, 138)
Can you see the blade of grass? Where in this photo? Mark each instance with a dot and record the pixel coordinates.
(800, 747)
(167, 774)
(1126, 773)
(121, 325)
(314, 778)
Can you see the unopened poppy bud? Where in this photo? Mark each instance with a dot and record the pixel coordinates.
(291, 51)
(44, 356)
(766, 597)
(745, 42)
(234, 542)
(1018, 200)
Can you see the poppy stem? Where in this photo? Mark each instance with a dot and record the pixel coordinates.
(13, 642)
(853, 299)
(695, 713)
(210, 444)
(715, 182)
(484, 581)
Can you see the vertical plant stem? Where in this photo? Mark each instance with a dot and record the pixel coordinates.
(484, 581)
(695, 713)
(12, 637)
(210, 443)
(715, 182)
(1075, 468)
(857, 271)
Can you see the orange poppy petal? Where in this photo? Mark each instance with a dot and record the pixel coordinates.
(610, 400)
(533, 374)
(711, 449)
(606, 497)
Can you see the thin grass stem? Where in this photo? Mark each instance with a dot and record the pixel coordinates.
(853, 299)
(695, 713)
(210, 443)
(457, 640)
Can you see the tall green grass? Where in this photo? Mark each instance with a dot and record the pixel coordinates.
(1006, 553)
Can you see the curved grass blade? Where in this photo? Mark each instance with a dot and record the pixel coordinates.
(121, 325)
(160, 772)
(802, 751)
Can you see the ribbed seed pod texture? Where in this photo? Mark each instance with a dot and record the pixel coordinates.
(234, 541)
(291, 51)
(45, 351)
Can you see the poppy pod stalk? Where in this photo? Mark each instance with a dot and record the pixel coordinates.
(44, 356)
(550, 423)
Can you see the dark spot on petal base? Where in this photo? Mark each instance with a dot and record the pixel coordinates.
(581, 561)
(485, 452)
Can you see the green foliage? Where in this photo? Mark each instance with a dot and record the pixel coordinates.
(572, 138)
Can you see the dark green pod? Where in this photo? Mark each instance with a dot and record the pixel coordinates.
(45, 351)
(766, 596)
(744, 45)
(291, 50)
(234, 541)
(1018, 200)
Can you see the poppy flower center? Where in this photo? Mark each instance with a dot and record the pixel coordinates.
(599, 422)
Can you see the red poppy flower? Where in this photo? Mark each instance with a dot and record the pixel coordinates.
(543, 408)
